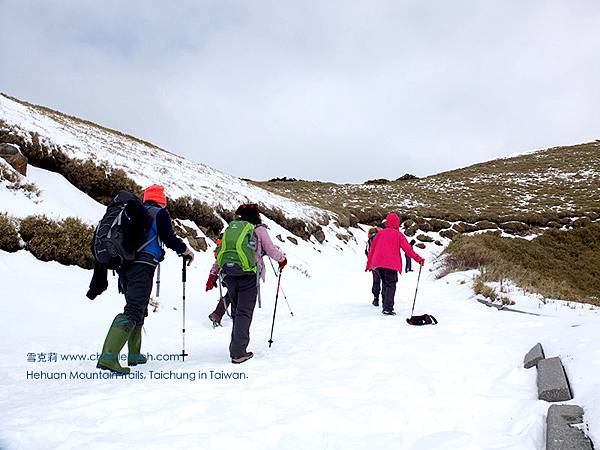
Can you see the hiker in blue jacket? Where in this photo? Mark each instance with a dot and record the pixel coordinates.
(135, 281)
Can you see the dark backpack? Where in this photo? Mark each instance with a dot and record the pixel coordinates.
(371, 235)
(121, 231)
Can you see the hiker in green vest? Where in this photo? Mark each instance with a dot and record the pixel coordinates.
(240, 261)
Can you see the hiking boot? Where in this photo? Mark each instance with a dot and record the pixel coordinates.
(215, 319)
(134, 344)
(388, 312)
(376, 301)
(118, 334)
(245, 357)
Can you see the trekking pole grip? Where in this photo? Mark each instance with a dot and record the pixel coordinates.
(184, 271)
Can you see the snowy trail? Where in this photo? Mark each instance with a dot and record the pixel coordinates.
(339, 374)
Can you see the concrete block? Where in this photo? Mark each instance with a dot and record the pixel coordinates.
(552, 382)
(534, 356)
(560, 433)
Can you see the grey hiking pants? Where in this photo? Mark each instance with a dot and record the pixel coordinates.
(242, 291)
(389, 278)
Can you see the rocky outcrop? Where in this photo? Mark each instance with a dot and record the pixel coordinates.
(196, 242)
(14, 157)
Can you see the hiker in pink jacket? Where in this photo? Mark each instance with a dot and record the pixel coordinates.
(385, 257)
(242, 285)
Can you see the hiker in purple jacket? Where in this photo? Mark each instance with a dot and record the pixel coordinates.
(243, 286)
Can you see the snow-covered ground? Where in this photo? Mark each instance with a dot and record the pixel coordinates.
(57, 199)
(339, 374)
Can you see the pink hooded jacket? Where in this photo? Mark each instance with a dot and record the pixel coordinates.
(264, 246)
(385, 249)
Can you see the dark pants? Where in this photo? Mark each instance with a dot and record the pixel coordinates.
(135, 281)
(408, 263)
(376, 289)
(242, 291)
(389, 278)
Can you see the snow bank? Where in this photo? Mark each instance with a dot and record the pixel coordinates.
(58, 199)
(339, 374)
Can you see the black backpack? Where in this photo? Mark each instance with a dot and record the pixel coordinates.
(121, 231)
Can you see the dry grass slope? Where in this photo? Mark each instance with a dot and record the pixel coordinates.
(558, 264)
(534, 188)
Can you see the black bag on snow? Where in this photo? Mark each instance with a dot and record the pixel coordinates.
(121, 231)
(425, 319)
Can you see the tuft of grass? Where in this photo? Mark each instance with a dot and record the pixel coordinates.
(479, 287)
(557, 264)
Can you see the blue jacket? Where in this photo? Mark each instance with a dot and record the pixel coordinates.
(161, 232)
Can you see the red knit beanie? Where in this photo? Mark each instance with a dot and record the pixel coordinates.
(155, 193)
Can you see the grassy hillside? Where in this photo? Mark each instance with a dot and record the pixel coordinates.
(535, 188)
(557, 264)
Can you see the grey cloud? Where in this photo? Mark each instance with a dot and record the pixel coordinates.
(341, 91)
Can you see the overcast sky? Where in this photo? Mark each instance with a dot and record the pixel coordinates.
(330, 90)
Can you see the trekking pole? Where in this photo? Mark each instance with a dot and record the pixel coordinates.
(258, 288)
(158, 281)
(282, 291)
(275, 309)
(416, 290)
(183, 280)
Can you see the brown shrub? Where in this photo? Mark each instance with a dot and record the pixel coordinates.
(557, 264)
(200, 213)
(438, 224)
(514, 227)
(449, 234)
(294, 226)
(67, 241)
(368, 216)
(412, 230)
(98, 181)
(582, 222)
(486, 225)
(9, 237)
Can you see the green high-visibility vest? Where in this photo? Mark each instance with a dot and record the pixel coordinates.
(238, 246)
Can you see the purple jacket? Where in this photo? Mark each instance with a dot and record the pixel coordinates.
(264, 246)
